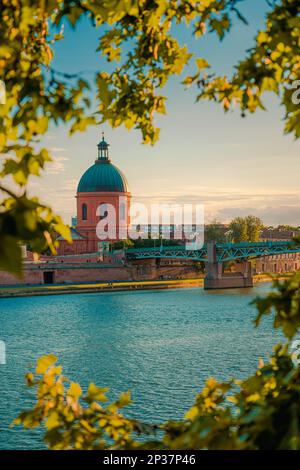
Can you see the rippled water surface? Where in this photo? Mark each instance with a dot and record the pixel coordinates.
(161, 345)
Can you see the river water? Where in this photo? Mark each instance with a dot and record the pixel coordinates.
(161, 345)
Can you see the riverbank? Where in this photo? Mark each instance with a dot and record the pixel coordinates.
(27, 291)
(271, 277)
(31, 291)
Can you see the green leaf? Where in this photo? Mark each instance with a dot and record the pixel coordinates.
(10, 254)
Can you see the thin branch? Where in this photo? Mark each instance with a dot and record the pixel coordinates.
(8, 191)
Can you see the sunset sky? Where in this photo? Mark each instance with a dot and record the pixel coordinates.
(232, 165)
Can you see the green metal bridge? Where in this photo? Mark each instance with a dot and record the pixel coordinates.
(224, 251)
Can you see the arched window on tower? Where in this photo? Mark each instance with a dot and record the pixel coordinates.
(122, 211)
(84, 211)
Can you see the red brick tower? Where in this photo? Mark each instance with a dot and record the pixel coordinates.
(103, 184)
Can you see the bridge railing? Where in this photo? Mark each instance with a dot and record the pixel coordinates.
(254, 244)
(224, 251)
(158, 248)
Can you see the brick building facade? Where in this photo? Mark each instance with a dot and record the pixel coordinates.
(284, 263)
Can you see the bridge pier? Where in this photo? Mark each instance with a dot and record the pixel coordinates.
(216, 279)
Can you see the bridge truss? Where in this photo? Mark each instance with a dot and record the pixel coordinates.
(224, 251)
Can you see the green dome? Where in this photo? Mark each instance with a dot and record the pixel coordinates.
(101, 177)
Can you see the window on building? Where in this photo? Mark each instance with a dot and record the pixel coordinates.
(84, 211)
(122, 211)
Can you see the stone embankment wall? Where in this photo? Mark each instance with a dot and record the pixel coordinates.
(88, 270)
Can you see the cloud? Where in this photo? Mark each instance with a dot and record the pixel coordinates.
(280, 214)
(57, 165)
(58, 149)
(50, 136)
(61, 197)
(71, 185)
(273, 207)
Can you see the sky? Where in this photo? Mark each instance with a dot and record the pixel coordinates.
(233, 166)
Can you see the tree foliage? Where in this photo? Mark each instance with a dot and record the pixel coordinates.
(139, 38)
(271, 65)
(215, 231)
(245, 229)
(260, 412)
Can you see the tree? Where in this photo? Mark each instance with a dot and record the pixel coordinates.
(264, 412)
(270, 65)
(254, 227)
(286, 227)
(131, 95)
(238, 227)
(122, 244)
(215, 231)
(246, 229)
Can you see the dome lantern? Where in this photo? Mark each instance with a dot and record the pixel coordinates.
(103, 176)
(103, 150)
